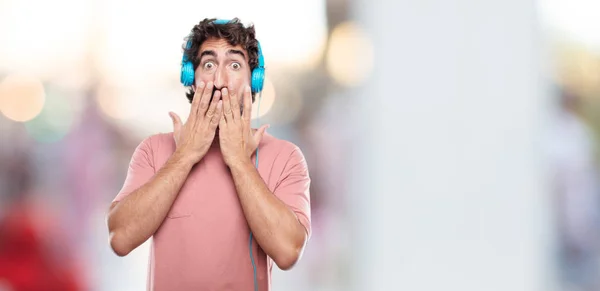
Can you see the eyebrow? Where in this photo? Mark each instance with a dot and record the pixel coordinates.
(229, 52)
(236, 52)
(208, 53)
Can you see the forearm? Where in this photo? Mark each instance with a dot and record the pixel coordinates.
(275, 226)
(137, 217)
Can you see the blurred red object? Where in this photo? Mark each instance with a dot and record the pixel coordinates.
(26, 260)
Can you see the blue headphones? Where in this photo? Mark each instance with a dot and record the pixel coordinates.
(258, 74)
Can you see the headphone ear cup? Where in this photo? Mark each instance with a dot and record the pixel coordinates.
(187, 74)
(258, 79)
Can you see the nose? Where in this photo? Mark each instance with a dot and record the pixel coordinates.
(221, 78)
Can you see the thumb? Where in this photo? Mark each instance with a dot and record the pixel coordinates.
(258, 135)
(176, 121)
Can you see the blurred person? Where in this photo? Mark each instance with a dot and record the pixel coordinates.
(577, 201)
(32, 245)
(219, 215)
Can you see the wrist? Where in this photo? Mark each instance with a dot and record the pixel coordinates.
(184, 159)
(240, 164)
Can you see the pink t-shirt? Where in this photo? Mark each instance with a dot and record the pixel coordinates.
(203, 243)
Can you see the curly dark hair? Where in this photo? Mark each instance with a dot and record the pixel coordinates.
(233, 31)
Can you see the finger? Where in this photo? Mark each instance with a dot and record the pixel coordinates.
(196, 99)
(216, 118)
(205, 98)
(258, 135)
(176, 121)
(247, 113)
(235, 104)
(222, 122)
(227, 106)
(213, 105)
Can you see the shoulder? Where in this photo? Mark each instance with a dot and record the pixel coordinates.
(156, 146)
(281, 148)
(159, 141)
(283, 154)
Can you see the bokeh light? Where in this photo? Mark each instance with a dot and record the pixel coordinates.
(350, 55)
(21, 97)
(289, 106)
(111, 102)
(54, 121)
(578, 69)
(267, 99)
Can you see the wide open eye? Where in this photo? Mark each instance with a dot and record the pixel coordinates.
(209, 66)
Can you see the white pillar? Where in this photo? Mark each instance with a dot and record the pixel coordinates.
(449, 187)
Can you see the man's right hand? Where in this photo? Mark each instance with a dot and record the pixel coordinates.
(193, 139)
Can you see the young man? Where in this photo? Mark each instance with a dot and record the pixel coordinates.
(218, 219)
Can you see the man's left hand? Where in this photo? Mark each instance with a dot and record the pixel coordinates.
(237, 140)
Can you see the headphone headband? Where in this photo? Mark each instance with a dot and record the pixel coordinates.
(221, 21)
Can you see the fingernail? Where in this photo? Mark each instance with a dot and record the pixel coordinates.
(202, 84)
(247, 88)
(225, 91)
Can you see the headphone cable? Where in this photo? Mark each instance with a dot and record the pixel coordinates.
(250, 241)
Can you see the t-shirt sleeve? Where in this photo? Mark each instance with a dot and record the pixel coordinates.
(140, 171)
(293, 188)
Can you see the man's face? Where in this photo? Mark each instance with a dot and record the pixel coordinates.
(223, 64)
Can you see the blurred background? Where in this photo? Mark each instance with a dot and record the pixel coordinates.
(451, 144)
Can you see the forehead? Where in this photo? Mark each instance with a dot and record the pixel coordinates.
(219, 46)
